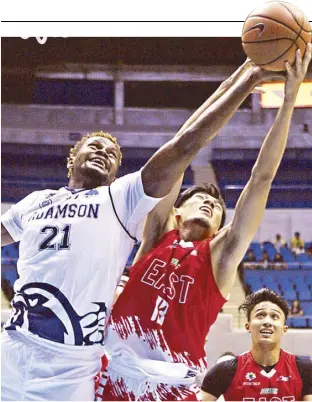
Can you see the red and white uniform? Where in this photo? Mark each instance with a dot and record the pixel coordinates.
(157, 330)
(252, 383)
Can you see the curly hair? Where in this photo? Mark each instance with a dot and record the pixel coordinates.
(261, 295)
(204, 188)
(75, 149)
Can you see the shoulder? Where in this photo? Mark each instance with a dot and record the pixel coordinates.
(35, 196)
(227, 367)
(127, 179)
(218, 379)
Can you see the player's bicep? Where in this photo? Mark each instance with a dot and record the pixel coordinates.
(224, 271)
(248, 214)
(307, 398)
(6, 238)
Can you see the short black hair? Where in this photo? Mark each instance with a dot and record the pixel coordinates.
(261, 295)
(203, 188)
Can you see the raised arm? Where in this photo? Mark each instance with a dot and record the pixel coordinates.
(170, 161)
(229, 248)
(160, 219)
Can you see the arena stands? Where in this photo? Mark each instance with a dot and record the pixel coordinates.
(292, 278)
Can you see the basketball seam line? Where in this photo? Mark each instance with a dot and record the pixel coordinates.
(281, 23)
(281, 55)
(294, 42)
(294, 17)
(268, 40)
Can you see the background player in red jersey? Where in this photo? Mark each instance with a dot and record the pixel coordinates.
(158, 326)
(266, 372)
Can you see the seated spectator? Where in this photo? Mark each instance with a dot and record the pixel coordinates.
(250, 259)
(250, 256)
(279, 262)
(265, 260)
(279, 242)
(309, 250)
(296, 310)
(299, 250)
(297, 244)
(278, 258)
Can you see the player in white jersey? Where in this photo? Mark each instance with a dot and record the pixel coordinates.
(74, 244)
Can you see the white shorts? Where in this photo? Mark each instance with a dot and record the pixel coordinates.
(36, 370)
(128, 378)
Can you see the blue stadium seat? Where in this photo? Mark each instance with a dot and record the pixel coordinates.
(310, 322)
(306, 307)
(289, 294)
(282, 280)
(303, 257)
(304, 293)
(287, 255)
(306, 265)
(298, 322)
(257, 249)
(293, 265)
(272, 285)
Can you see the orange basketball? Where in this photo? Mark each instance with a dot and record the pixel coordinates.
(273, 32)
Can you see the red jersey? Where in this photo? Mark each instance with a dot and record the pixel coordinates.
(168, 304)
(252, 383)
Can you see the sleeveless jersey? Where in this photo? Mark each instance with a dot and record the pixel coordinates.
(71, 255)
(168, 304)
(252, 383)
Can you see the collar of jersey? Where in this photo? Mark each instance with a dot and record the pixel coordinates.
(74, 190)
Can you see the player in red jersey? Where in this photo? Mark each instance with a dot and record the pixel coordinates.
(185, 269)
(266, 373)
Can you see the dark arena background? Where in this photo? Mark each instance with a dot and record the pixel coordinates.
(141, 90)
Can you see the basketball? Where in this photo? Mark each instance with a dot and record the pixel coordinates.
(273, 32)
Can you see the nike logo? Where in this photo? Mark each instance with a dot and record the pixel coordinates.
(259, 26)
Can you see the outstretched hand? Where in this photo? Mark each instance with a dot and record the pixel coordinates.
(295, 74)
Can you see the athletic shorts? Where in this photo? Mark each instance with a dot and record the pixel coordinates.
(116, 386)
(34, 370)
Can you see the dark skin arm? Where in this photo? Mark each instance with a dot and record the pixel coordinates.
(161, 219)
(5, 237)
(170, 161)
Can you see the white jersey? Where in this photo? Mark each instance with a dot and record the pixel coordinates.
(72, 253)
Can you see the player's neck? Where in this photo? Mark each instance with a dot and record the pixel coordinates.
(193, 232)
(85, 183)
(266, 355)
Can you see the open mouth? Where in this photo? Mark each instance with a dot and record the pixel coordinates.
(207, 210)
(99, 161)
(266, 332)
